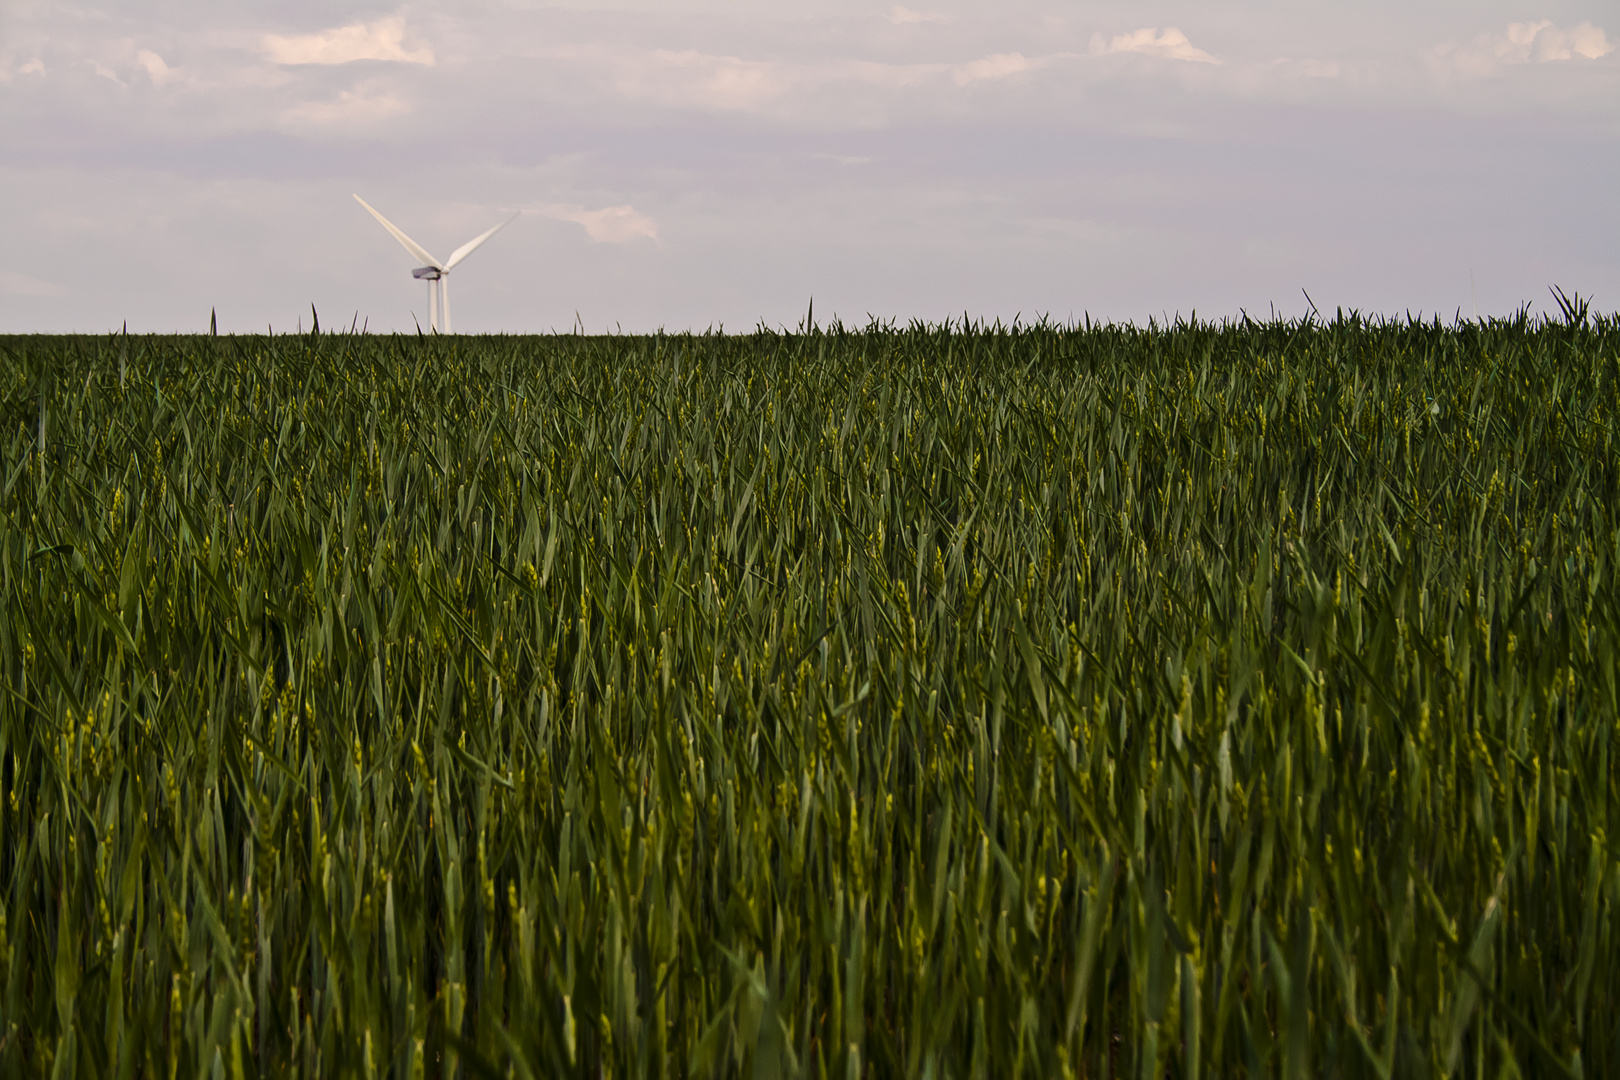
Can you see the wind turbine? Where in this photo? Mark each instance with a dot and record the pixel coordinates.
(435, 273)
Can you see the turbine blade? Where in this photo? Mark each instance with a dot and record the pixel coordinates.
(410, 245)
(467, 249)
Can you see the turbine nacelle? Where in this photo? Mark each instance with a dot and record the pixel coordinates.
(435, 273)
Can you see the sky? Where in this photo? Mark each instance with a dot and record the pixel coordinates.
(722, 164)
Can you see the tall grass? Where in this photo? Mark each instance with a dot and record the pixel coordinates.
(949, 701)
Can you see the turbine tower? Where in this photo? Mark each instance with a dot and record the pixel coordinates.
(435, 273)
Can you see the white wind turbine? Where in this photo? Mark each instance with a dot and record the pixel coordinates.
(435, 273)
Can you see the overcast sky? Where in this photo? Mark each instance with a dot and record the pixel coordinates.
(688, 164)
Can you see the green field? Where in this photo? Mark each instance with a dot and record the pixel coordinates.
(1188, 701)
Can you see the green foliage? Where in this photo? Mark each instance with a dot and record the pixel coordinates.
(957, 702)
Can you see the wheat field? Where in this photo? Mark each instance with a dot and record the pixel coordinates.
(939, 701)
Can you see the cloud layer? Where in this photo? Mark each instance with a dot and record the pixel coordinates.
(1169, 44)
(1542, 41)
(610, 224)
(380, 40)
(701, 163)
(1539, 42)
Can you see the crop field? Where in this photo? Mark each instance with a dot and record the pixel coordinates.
(945, 701)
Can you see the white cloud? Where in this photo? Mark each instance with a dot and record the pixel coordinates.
(36, 66)
(902, 16)
(380, 40)
(1542, 41)
(15, 284)
(104, 71)
(1526, 43)
(689, 77)
(159, 72)
(609, 225)
(888, 76)
(1169, 44)
(362, 105)
(997, 66)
